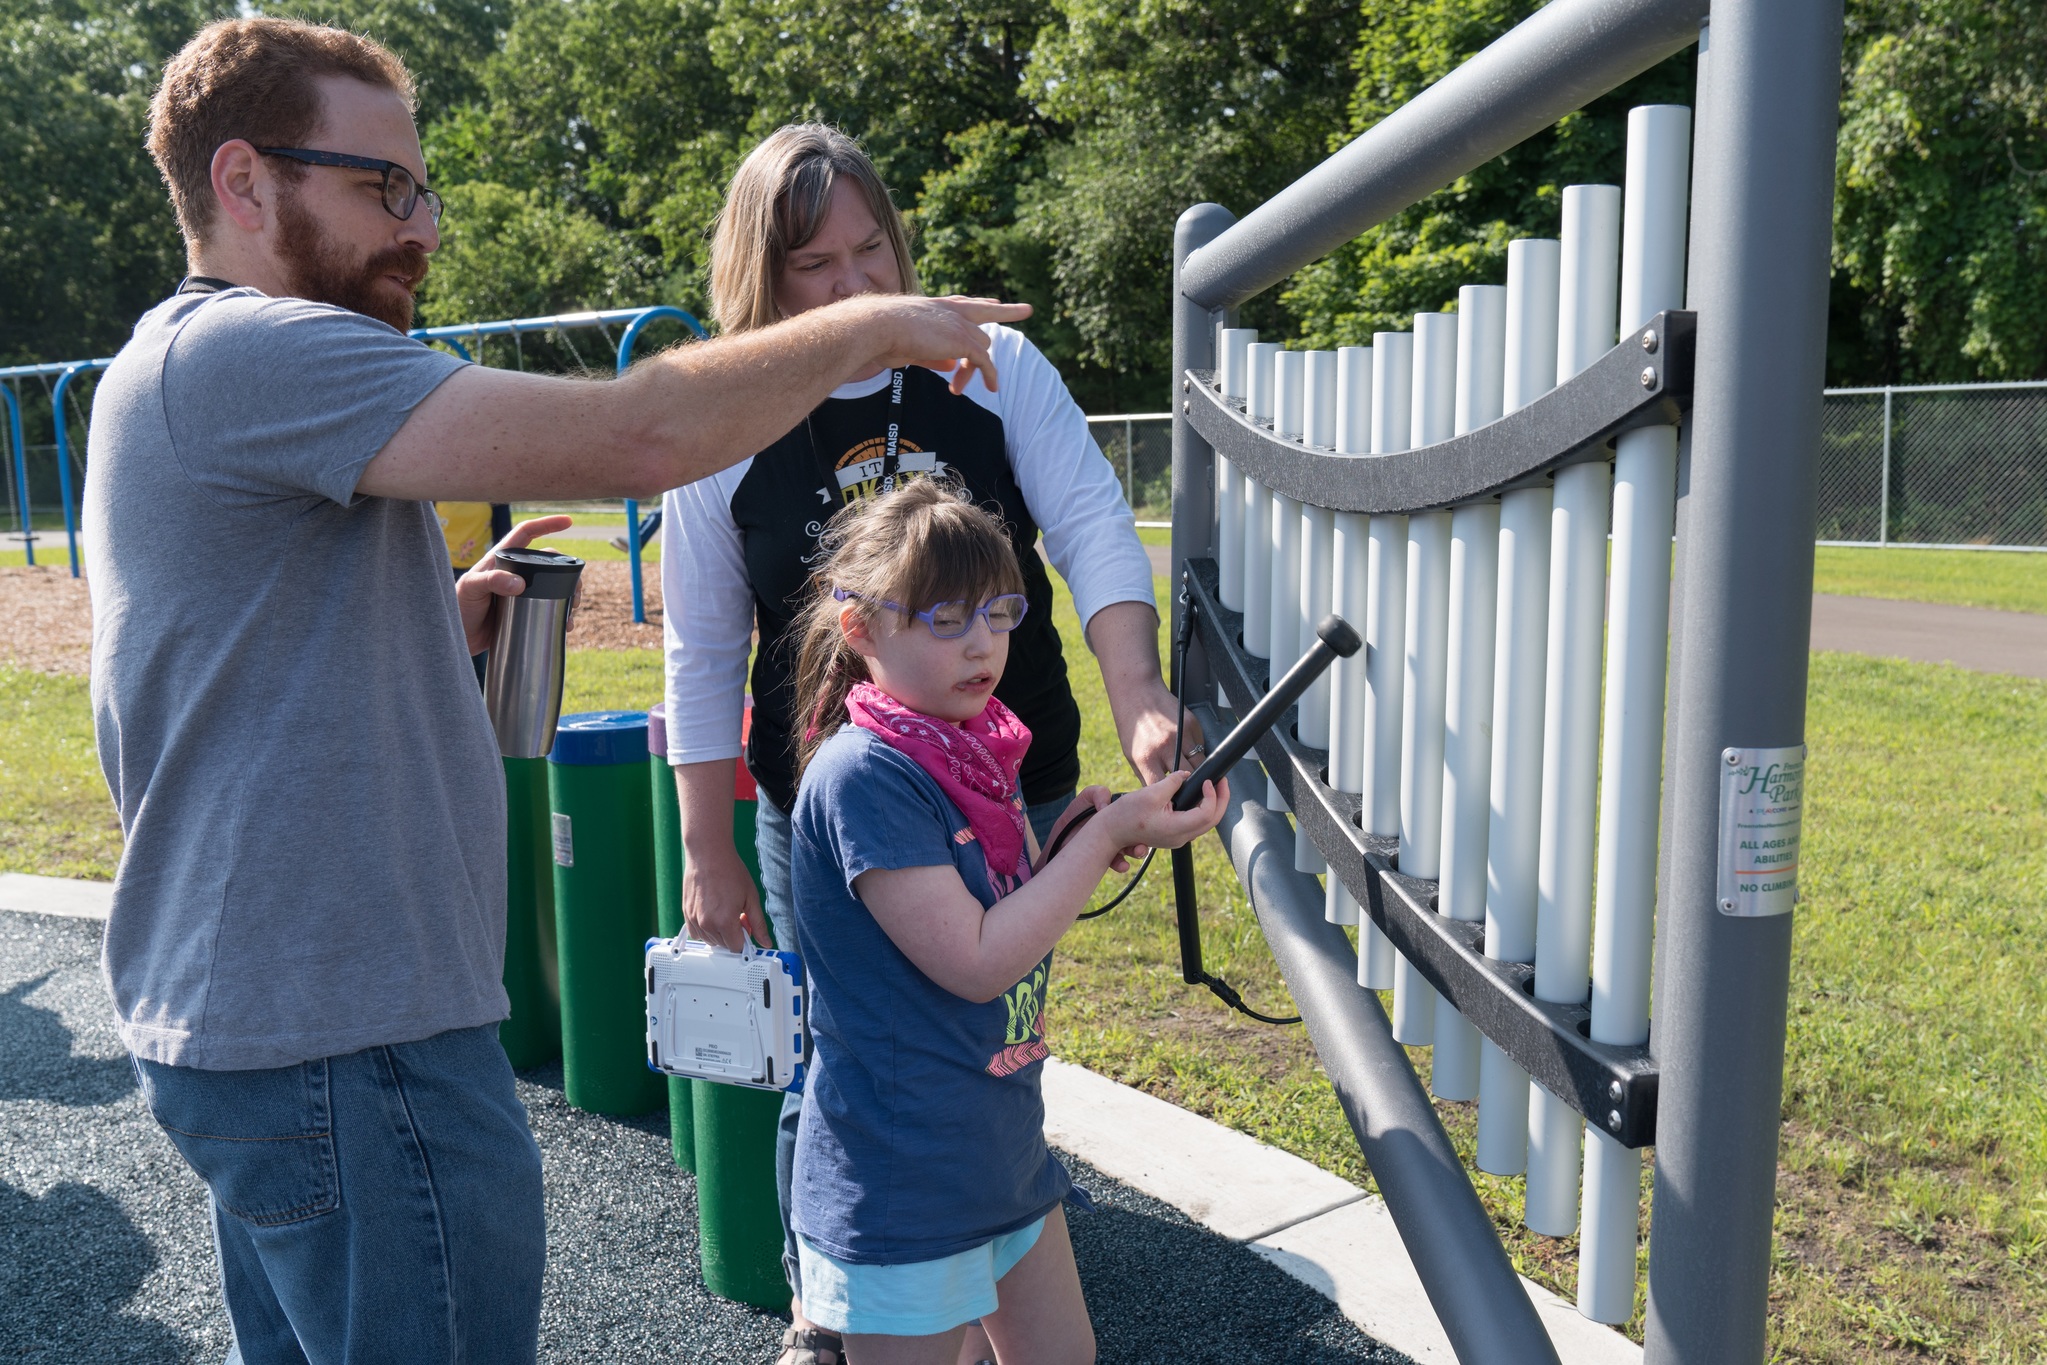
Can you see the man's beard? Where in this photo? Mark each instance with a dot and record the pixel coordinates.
(321, 270)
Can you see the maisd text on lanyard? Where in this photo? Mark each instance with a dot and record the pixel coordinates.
(889, 461)
(891, 458)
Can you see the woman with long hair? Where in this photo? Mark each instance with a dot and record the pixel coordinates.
(807, 221)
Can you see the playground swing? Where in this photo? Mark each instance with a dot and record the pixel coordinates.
(59, 378)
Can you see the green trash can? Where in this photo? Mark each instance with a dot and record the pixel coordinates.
(682, 1132)
(602, 835)
(739, 1227)
(532, 1034)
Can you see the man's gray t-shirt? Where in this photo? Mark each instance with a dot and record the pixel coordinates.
(286, 710)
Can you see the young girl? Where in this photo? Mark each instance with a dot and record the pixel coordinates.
(925, 1196)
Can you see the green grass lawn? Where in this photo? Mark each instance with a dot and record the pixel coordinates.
(54, 810)
(48, 552)
(612, 680)
(603, 549)
(2002, 579)
(1912, 1218)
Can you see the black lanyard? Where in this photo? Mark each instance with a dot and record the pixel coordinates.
(201, 284)
(891, 459)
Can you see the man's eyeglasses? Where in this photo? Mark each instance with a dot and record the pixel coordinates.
(950, 620)
(402, 193)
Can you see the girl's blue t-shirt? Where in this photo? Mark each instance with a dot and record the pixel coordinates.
(923, 1130)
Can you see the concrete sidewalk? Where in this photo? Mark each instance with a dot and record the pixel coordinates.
(56, 896)
(1273, 1259)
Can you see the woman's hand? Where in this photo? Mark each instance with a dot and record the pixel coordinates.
(1146, 726)
(1125, 639)
(720, 903)
(477, 592)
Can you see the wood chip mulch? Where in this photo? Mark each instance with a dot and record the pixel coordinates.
(45, 620)
(46, 616)
(604, 618)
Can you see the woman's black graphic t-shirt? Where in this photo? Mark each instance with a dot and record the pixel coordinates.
(738, 550)
(782, 505)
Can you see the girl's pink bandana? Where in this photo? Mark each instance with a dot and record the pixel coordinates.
(976, 763)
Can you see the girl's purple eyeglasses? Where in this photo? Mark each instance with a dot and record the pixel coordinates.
(950, 620)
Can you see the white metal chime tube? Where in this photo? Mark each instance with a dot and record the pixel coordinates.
(1587, 310)
(1234, 366)
(1289, 404)
(1425, 660)
(1631, 758)
(1318, 541)
(1468, 698)
(1349, 582)
(1385, 629)
(1318, 553)
(1259, 358)
(1520, 648)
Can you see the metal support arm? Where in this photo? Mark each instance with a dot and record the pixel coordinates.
(1471, 1284)
(1564, 56)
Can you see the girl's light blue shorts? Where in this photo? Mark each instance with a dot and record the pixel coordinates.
(921, 1299)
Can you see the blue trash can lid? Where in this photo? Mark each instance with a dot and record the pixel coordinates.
(595, 738)
(657, 730)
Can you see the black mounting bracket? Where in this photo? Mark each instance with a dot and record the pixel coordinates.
(1614, 1088)
(1644, 381)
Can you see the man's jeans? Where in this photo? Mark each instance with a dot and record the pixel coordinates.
(771, 847)
(379, 1206)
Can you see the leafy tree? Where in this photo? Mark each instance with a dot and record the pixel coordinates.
(444, 43)
(1043, 148)
(611, 106)
(1940, 220)
(87, 238)
(509, 253)
(1415, 261)
(902, 76)
(1941, 187)
(1169, 102)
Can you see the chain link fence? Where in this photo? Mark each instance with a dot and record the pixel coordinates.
(1140, 446)
(1961, 466)
(1956, 466)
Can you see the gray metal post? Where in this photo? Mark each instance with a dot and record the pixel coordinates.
(1193, 461)
(1764, 198)
(1672, 707)
(1883, 525)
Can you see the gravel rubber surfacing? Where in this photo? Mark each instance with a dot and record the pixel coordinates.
(106, 1257)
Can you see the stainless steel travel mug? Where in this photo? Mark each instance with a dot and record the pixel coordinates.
(523, 686)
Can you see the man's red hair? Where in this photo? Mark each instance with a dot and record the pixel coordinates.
(252, 79)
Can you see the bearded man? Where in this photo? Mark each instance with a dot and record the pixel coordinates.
(308, 929)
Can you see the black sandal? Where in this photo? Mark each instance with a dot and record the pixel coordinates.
(800, 1346)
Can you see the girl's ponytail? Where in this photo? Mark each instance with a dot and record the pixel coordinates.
(920, 545)
(826, 669)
